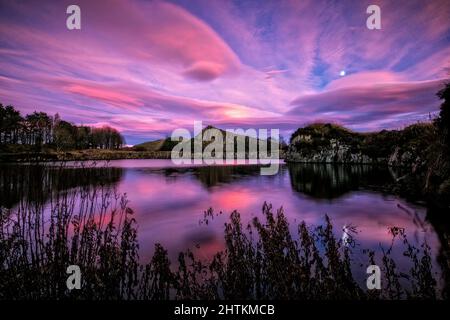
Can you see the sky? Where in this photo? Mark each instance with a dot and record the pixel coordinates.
(149, 67)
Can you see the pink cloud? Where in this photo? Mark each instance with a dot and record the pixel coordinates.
(148, 34)
(374, 105)
(111, 97)
(365, 79)
(204, 71)
(148, 67)
(144, 32)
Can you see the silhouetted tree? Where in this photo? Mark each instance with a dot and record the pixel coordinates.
(10, 124)
(65, 134)
(106, 138)
(38, 129)
(443, 121)
(84, 137)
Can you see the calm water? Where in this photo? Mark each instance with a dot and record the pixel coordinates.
(169, 201)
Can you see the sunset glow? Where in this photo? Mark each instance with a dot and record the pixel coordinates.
(148, 67)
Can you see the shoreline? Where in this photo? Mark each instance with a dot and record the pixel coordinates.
(86, 155)
(82, 155)
(105, 155)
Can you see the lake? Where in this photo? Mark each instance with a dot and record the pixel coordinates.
(169, 202)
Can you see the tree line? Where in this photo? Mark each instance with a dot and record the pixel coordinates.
(39, 129)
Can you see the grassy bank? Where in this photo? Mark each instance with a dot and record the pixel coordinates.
(80, 155)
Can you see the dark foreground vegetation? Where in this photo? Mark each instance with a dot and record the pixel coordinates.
(94, 228)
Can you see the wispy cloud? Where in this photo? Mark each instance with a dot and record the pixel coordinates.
(149, 67)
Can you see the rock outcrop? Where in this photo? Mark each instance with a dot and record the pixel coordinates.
(335, 152)
(328, 143)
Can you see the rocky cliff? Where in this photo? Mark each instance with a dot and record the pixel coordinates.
(335, 152)
(328, 143)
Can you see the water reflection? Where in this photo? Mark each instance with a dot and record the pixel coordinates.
(328, 181)
(169, 202)
(36, 182)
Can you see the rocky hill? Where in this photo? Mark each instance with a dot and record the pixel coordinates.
(167, 144)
